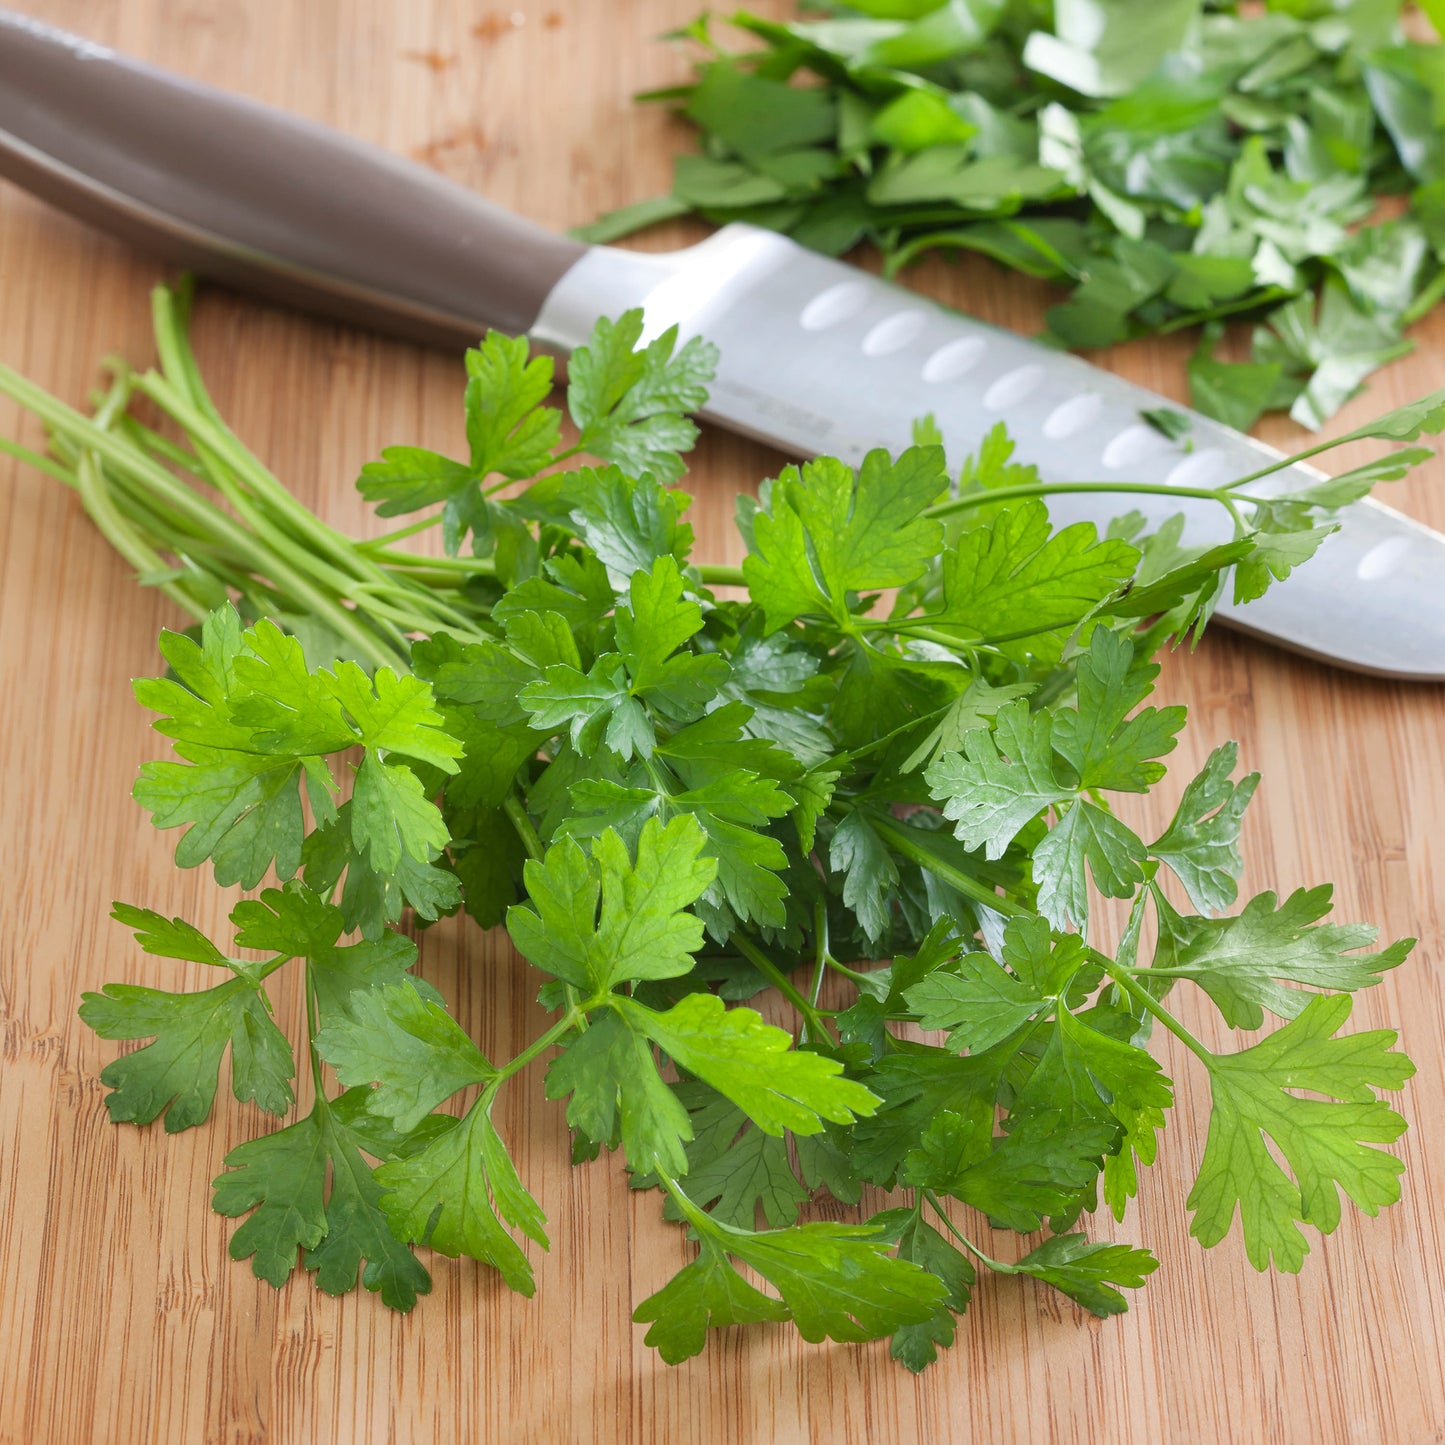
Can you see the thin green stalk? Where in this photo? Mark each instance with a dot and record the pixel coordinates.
(112, 448)
(240, 478)
(423, 577)
(40, 463)
(899, 835)
(108, 518)
(1426, 301)
(962, 1238)
(820, 935)
(413, 612)
(1215, 313)
(1125, 979)
(517, 816)
(782, 983)
(125, 539)
(700, 1220)
(1282, 463)
(312, 1016)
(848, 973)
(147, 440)
(138, 487)
(919, 628)
(190, 404)
(825, 954)
(1046, 489)
(200, 417)
(538, 1046)
(481, 566)
(721, 576)
(302, 558)
(381, 543)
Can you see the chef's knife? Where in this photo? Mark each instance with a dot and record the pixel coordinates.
(816, 356)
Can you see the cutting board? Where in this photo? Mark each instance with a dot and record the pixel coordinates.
(121, 1317)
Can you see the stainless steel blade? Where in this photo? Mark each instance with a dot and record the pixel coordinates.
(818, 358)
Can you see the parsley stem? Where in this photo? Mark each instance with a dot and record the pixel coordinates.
(190, 404)
(1045, 489)
(718, 576)
(849, 973)
(900, 836)
(539, 1045)
(918, 627)
(517, 814)
(107, 517)
(236, 475)
(1255, 300)
(820, 935)
(148, 440)
(112, 449)
(40, 463)
(780, 981)
(379, 549)
(1125, 979)
(377, 544)
(961, 1237)
(124, 538)
(484, 566)
(282, 520)
(311, 1031)
(1283, 462)
(1426, 301)
(825, 954)
(700, 1220)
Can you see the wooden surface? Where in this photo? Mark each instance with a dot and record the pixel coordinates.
(121, 1318)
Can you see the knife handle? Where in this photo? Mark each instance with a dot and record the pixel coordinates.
(263, 200)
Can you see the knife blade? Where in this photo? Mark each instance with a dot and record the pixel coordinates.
(816, 356)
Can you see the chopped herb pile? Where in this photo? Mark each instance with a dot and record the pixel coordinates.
(905, 818)
(1174, 165)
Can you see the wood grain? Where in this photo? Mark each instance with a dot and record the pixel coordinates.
(123, 1319)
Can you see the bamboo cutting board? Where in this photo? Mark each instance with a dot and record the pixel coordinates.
(121, 1318)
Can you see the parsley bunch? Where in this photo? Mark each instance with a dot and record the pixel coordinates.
(1173, 163)
(673, 800)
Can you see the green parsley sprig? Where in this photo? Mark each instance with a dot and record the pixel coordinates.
(1175, 164)
(674, 800)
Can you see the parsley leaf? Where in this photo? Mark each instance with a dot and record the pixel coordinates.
(252, 722)
(1001, 780)
(752, 1063)
(509, 434)
(734, 1169)
(410, 1052)
(1086, 1272)
(708, 1294)
(1017, 577)
(1005, 779)
(916, 1345)
(1200, 843)
(827, 532)
(460, 1193)
(628, 403)
(618, 1095)
(307, 1187)
(177, 1072)
(1027, 1175)
(641, 930)
(836, 1281)
(1326, 1143)
(1244, 962)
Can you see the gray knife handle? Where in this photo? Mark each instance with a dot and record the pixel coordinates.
(261, 199)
